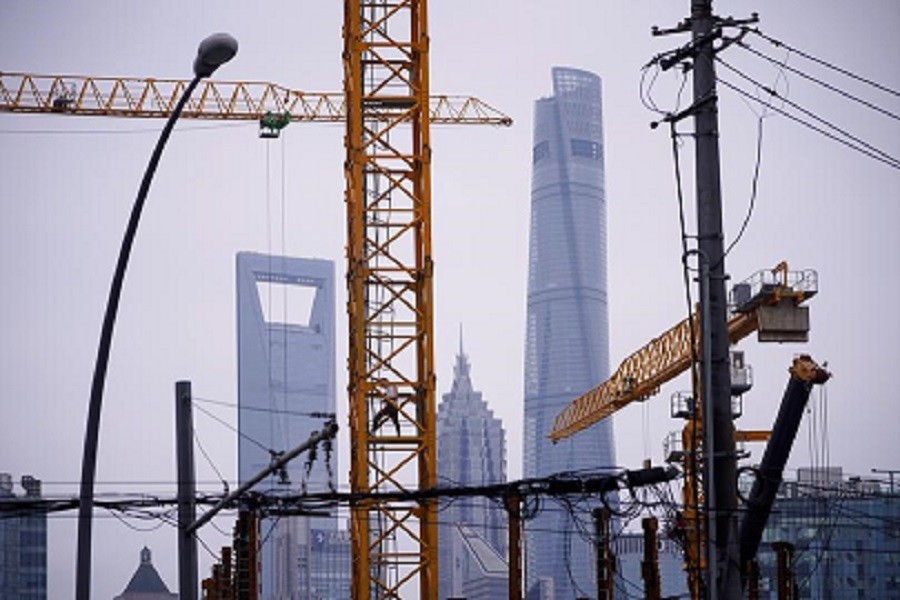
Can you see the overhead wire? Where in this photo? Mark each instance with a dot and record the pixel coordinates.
(808, 113)
(754, 186)
(889, 161)
(284, 299)
(816, 80)
(233, 428)
(209, 460)
(296, 413)
(822, 62)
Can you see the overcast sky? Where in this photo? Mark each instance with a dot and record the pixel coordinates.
(68, 184)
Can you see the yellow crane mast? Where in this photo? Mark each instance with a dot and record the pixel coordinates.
(390, 300)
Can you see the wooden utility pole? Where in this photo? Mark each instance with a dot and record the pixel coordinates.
(603, 553)
(246, 545)
(784, 559)
(753, 580)
(650, 564)
(514, 509)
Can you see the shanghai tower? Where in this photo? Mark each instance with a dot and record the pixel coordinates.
(567, 335)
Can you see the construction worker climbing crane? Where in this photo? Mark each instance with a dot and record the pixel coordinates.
(389, 410)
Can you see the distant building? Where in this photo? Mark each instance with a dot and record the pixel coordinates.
(286, 382)
(324, 565)
(628, 549)
(146, 584)
(471, 450)
(567, 329)
(846, 534)
(23, 544)
(487, 572)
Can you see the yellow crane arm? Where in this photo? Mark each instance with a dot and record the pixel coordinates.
(768, 302)
(642, 373)
(223, 100)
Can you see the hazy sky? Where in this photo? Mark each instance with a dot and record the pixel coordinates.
(68, 184)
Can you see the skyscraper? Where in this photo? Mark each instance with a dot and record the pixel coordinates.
(286, 380)
(567, 345)
(471, 450)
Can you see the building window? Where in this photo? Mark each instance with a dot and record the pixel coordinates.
(540, 151)
(585, 149)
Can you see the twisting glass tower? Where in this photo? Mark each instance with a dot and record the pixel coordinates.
(567, 346)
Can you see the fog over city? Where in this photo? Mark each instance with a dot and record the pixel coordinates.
(67, 184)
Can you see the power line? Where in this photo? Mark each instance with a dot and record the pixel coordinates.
(209, 460)
(753, 187)
(891, 162)
(806, 112)
(232, 428)
(818, 81)
(316, 415)
(824, 63)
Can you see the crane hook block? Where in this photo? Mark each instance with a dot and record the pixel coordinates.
(271, 124)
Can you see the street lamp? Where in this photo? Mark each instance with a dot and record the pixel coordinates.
(214, 51)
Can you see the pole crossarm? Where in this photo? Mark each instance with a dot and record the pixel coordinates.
(85, 95)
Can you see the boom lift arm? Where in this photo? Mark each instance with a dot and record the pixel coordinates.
(805, 373)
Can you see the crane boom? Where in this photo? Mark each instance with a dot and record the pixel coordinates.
(642, 373)
(219, 100)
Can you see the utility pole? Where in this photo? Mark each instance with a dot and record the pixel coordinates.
(753, 580)
(514, 508)
(246, 551)
(187, 509)
(650, 564)
(710, 238)
(605, 570)
(784, 559)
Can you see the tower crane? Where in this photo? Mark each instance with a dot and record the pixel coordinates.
(769, 303)
(387, 108)
(133, 97)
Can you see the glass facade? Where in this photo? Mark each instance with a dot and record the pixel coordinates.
(286, 372)
(471, 451)
(23, 545)
(846, 537)
(324, 566)
(566, 346)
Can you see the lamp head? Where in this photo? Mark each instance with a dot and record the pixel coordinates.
(214, 51)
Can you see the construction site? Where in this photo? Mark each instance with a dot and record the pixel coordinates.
(683, 339)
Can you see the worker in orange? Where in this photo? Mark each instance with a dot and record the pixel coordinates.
(389, 410)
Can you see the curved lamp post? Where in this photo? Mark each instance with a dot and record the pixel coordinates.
(214, 51)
